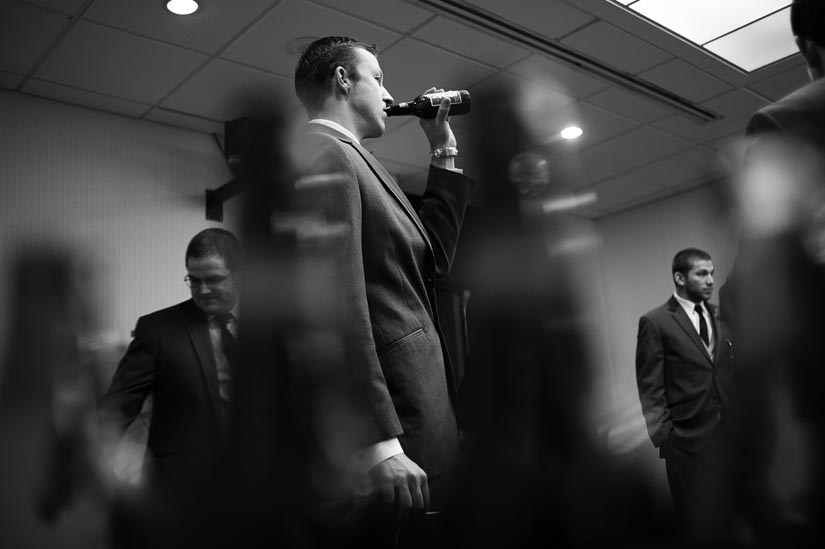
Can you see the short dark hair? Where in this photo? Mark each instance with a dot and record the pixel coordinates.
(216, 242)
(317, 65)
(683, 261)
(808, 20)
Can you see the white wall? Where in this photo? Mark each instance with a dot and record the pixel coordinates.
(637, 247)
(122, 195)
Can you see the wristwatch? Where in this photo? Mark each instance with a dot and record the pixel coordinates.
(444, 152)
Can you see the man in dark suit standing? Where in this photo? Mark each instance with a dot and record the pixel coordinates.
(684, 372)
(407, 434)
(801, 115)
(181, 356)
(782, 199)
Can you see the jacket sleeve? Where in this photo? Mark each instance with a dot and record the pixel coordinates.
(651, 381)
(132, 382)
(442, 213)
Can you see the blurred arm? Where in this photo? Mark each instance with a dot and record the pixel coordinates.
(651, 381)
(131, 383)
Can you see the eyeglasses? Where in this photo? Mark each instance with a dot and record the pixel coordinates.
(212, 282)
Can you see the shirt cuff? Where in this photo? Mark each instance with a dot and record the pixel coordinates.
(372, 455)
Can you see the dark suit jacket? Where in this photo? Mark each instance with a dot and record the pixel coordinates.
(170, 358)
(680, 387)
(799, 115)
(391, 256)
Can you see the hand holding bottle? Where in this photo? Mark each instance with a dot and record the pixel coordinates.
(443, 145)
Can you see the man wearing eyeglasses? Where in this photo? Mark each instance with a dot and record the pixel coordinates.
(182, 356)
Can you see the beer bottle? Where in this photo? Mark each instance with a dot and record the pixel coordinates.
(426, 105)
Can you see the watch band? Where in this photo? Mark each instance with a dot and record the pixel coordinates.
(444, 152)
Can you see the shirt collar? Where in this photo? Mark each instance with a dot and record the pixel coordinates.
(335, 126)
(688, 305)
(233, 311)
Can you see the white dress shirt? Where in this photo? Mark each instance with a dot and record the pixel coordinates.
(690, 308)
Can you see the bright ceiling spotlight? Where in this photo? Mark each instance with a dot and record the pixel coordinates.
(571, 132)
(182, 7)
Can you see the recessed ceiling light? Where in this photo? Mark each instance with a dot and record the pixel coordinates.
(182, 7)
(571, 132)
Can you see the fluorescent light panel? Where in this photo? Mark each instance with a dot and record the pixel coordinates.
(747, 33)
(758, 44)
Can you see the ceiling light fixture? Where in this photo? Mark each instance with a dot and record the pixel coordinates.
(467, 13)
(571, 132)
(748, 35)
(182, 7)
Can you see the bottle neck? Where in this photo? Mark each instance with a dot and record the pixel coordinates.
(400, 109)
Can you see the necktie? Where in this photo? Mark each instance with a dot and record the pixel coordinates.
(703, 326)
(228, 342)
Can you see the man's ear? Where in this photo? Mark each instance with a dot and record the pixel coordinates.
(342, 79)
(679, 279)
(814, 57)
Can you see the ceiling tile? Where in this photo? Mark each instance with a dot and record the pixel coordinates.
(685, 80)
(179, 120)
(9, 81)
(207, 30)
(224, 91)
(394, 14)
(84, 98)
(550, 18)
(681, 168)
(640, 146)
(616, 47)
(265, 44)
(62, 6)
(623, 191)
(598, 125)
(779, 85)
(115, 63)
(472, 43)
(573, 173)
(591, 174)
(629, 105)
(732, 148)
(699, 132)
(411, 66)
(736, 106)
(25, 34)
(532, 97)
(558, 75)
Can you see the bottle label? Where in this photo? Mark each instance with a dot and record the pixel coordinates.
(436, 98)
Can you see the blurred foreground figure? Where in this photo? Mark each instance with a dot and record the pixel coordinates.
(182, 357)
(407, 439)
(52, 491)
(685, 375)
(536, 471)
(779, 203)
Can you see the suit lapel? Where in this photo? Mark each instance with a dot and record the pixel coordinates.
(684, 322)
(383, 176)
(389, 182)
(197, 327)
(721, 340)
